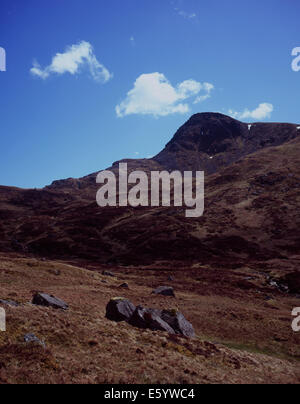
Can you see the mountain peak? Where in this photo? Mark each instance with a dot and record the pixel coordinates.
(210, 141)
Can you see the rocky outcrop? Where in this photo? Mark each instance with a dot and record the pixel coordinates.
(170, 321)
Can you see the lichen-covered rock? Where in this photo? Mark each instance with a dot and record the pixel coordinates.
(164, 290)
(119, 309)
(42, 299)
(178, 323)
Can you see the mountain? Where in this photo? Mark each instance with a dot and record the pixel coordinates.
(252, 194)
(212, 141)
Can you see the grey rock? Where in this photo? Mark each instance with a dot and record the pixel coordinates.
(156, 323)
(31, 338)
(149, 319)
(9, 303)
(119, 309)
(137, 319)
(165, 291)
(178, 322)
(124, 286)
(43, 299)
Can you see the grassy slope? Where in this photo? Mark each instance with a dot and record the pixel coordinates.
(241, 338)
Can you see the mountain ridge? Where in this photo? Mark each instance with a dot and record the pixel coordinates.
(171, 158)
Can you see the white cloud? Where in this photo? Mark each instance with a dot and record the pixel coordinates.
(71, 61)
(153, 94)
(207, 87)
(263, 111)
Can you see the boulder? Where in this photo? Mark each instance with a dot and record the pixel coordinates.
(178, 323)
(156, 323)
(149, 319)
(124, 286)
(42, 299)
(119, 309)
(137, 319)
(165, 291)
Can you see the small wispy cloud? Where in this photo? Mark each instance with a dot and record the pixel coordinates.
(71, 61)
(132, 40)
(185, 14)
(179, 7)
(263, 111)
(153, 94)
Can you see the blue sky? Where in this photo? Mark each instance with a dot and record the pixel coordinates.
(89, 82)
